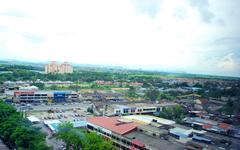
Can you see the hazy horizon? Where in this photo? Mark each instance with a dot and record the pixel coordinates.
(199, 37)
(109, 66)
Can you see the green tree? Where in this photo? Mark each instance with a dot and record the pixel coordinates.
(132, 92)
(166, 96)
(90, 109)
(176, 113)
(39, 85)
(78, 138)
(17, 132)
(94, 141)
(53, 87)
(152, 94)
(8, 127)
(71, 136)
(229, 107)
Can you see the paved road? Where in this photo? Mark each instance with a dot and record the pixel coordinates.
(217, 137)
(3, 146)
(54, 143)
(49, 140)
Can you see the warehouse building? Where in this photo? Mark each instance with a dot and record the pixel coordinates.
(180, 133)
(64, 96)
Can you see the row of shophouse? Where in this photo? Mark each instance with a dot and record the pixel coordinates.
(44, 96)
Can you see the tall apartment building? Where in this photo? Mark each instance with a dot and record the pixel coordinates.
(65, 68)
(54, 67)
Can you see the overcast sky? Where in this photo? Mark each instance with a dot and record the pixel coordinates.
(194, 36)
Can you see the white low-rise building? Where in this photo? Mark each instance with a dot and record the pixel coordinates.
(137, 108)
(33, 119)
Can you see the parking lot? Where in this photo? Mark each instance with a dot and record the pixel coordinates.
(62, 115)
(64, 112)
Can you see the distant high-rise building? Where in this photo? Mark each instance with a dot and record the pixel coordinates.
(53, 67)
(65, 68)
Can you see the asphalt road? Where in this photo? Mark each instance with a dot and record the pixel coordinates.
(51, 141)
(217, 137)
(54, 143)
(3, 146)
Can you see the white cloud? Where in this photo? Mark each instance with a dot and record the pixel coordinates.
(109, 32)
(227, 63)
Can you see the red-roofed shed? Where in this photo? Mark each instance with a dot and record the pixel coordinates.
(207, 126)
(224, 126)
(138, 143)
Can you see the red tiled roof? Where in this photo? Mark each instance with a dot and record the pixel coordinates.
(204, 101)
(207, 126)
(137, 142)
(224, 125)
(113, 124)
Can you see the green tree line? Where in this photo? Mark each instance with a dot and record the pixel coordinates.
(17, 132)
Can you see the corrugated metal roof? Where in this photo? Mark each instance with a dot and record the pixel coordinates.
(181, 132)
(148, 119)
(81, 123)
(33, 119)
(224, 126)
